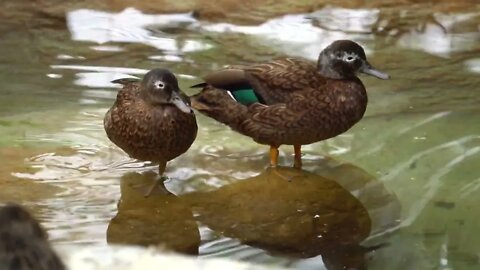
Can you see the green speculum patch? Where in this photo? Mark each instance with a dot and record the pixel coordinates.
(245, 96)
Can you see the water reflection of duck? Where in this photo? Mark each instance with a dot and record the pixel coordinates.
(151, 119)
(159, 220)
(290, 100)
(329, 215)
(300, 217)
(23, 242)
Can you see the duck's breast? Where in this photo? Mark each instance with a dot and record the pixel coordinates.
(154, 133)
(334, 109)
(175, 130)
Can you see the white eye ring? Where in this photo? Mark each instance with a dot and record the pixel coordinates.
(159, 85)
(349, 58)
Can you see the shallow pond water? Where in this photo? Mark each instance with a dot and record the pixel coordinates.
(398, 191)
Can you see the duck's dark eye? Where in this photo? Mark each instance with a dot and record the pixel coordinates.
(159, 85)
(350, 59)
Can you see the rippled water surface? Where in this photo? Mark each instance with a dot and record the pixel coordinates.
(398, 191)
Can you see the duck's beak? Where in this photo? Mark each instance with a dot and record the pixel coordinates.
(368, 69)
(177, 100)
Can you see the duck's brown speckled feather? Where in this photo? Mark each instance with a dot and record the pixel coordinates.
(155, 133)
(303, 107)
(277, 80)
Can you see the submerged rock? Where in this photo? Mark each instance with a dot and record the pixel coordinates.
(158, 220)
(303, 217)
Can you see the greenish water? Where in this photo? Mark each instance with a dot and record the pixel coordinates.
(406, 177)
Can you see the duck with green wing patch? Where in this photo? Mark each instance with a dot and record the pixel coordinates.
(290, 101)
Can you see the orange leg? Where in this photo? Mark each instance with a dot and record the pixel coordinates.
(159, 181)
(274, 161)
(298, 157)
(273, 156)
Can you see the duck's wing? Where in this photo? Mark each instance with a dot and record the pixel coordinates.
(267, 124)
(279, 79)
(273, 116)
(233, 79)
(129, 91)
(304, 119)
(123, 105)
(268, 83)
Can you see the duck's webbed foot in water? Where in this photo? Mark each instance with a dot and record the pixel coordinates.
(283, 173)
(158, 183)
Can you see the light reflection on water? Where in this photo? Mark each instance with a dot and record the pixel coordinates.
(473, 65)
(100, 80)
(347, 20)
(438, 36)
(129, 26)
(413, 140)
(295, 30)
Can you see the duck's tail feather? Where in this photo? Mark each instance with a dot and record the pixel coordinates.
(199, 85)
(219, 105)
(125, 81)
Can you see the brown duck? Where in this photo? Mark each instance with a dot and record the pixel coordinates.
(290, 100)
(23, 242)
(151, 120)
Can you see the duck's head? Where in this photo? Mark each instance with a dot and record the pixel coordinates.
(160, 86)
(344, 59)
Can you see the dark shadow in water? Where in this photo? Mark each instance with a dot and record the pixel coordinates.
(162, 219)
(300, 215)
(383, 206)
(307, 216)
(328, 213)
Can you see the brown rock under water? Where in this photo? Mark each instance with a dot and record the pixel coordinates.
(160, 220)
(301, 217)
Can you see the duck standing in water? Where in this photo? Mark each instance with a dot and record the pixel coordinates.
(151, 120)
(290, 100)
(23, 242)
